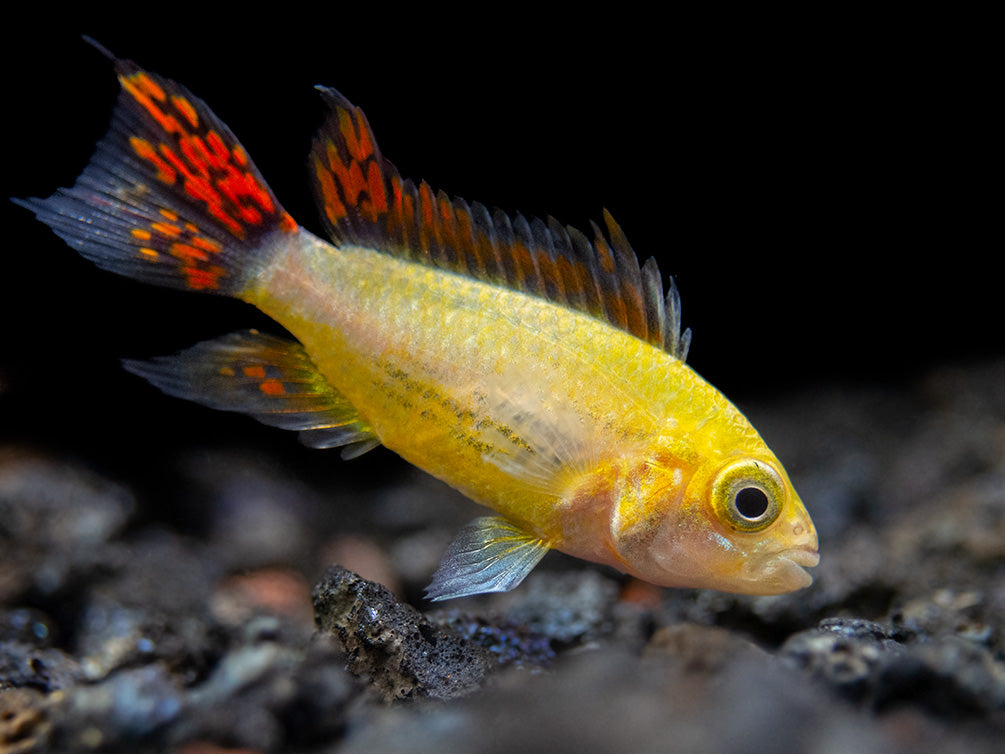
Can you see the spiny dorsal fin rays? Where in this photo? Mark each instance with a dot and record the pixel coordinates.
(675, 342)
(653, 296)
(365, 202)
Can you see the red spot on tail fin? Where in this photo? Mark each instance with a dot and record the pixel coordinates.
(194, 154)
(170, 196)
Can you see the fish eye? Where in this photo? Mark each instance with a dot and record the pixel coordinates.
(747, 495)
(751, 502)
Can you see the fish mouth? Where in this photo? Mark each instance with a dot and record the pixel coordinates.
(785, 571)
(804, 557)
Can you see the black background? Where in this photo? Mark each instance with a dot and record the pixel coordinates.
(820, 188)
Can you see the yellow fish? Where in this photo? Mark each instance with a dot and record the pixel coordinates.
(539, 372)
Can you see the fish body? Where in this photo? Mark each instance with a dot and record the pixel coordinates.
(539, 372)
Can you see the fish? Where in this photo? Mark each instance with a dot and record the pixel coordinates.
(538, 370)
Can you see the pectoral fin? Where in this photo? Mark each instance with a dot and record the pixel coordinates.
(535, 439)
(490, 554)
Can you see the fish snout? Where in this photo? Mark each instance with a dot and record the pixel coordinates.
(784, 570)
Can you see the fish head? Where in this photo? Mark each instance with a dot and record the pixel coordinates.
(736, 525)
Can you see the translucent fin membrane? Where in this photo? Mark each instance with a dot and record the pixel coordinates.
(269, 378)
(489, 555)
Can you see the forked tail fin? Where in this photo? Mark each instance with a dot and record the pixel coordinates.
(170, 196)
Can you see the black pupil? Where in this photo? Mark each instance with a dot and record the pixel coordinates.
(751, 502)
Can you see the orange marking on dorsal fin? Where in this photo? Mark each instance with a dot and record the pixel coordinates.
(366, 202)
(349, 134)
(329, 197)
(375, 187)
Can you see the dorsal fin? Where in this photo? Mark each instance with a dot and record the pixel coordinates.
(365, 202)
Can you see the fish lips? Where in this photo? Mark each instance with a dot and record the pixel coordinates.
(783, 571)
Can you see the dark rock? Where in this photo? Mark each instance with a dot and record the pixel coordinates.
(947, 675)
(52, 518)
(152, 604)
(26, 625)
(127, 709)
(855, 629)
(254, 514)
(263, 696)
(256, 600)
(27, 666)
(701, 648)
(268, 697)
(845, 653)
(609, 700)
(511, 643)
(392, 645)
(567, 607)
(945, 613)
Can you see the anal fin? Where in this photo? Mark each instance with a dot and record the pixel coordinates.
(269, 378)
(490, 554)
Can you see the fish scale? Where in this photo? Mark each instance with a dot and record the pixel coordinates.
(537, 371)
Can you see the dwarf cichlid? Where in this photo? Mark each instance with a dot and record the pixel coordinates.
(536, 370)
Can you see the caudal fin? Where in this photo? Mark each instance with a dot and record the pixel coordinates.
(170, 197)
